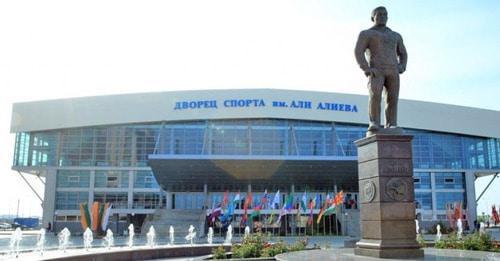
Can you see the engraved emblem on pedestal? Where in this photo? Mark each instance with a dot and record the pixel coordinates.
(396, 189)
(369, 191)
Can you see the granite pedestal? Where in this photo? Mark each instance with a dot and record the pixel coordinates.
(387, 197)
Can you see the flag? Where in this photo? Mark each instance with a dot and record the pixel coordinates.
(339, 198)
(327, 209)
(264, 200)
(494, 215)
(216, 212)
(449, 215)
(237, 198)
(95, 216)
(84, 216)
(327, 212)
(256, 212)
(312, 203)
(105, 216)
(226, 199)
(457, 211)
(228, 214)
(282, 213)
(303, 202)
(248, 201)
(243, 221)
(289, 202)
(271, 218)
(101, 212)
(276, 200)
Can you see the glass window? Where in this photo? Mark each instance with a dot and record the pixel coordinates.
(111, 179)
(73, 179)
(449, 180)
(146, 200)
(118, 199)
(70, 200)
(444, 199)
(423, 200)
(145, 179)
(422, 180)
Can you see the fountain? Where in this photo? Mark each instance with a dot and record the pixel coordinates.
(15, 239)
(210, 235)
(151, 237)
(229, 235)
(438, 234)
(171, 234)
(247, 232)
(63, 238)
(88, 237)
(131, 234)
(417, 227)
(40, 244)
(459, 229)
(109, 239)
(482, 228)
(191, 234)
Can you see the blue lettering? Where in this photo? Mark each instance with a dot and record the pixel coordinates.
(354, 108)
(279, 104)
(320, 106)
(177, 106)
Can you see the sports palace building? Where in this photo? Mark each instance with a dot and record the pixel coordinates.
(171, 156)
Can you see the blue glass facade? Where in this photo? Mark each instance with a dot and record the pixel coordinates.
(130, 145)
(117, 156)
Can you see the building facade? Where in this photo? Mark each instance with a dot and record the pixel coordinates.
(183, 150)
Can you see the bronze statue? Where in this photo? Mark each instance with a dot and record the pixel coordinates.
(386, 60)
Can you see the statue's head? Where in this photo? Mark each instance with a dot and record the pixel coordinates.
(379, 15)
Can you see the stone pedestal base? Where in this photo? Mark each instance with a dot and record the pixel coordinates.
(387, 203)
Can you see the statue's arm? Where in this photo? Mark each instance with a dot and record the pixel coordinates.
(402, 54)
(359, 51)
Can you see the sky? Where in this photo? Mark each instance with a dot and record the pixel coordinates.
(59, 49)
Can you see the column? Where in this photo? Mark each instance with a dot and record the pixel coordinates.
(130, 194)
(292, 221)
(91, 187)
(434, 199)
(49, 199)
(470, 192)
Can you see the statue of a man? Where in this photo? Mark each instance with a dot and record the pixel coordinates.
(386, 60)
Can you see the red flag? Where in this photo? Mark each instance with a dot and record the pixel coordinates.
(494, 214)
(226, 199)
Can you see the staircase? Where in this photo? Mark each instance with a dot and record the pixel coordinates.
(180, 219)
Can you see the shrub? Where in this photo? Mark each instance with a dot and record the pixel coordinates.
(274, 249)
(251, 247)
(219, 253)
(478, 241)
(421, 240)
(255, 246)
(475, 241)
(450, 242)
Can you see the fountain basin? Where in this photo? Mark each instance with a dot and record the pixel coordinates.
(136, 253)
